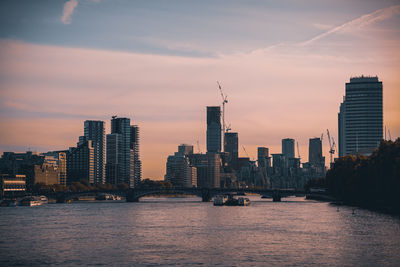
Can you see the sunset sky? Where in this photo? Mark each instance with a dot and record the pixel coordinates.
(282, 64)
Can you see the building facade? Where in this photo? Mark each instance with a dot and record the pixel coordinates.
(80, 163)
(360, 119)
(214, 129)
(231, 147)
(137, 163)
(94, 130)
(288, 148)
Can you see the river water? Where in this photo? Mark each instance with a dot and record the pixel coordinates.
(185, 231)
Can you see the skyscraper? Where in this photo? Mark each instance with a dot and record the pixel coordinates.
(137, 164)
(315, 152)
(114, 157)
(231, 147)
(262, 157)
(214, 129)
(124, 153)
(361, 117)
(288, 148)
(94, 130)
(80, 162)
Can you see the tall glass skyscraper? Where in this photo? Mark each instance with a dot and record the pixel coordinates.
(288, 148)
(361, 116)
(94, 130)
(214, 129)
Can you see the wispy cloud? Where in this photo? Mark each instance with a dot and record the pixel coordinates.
(363, 21)
(68, 10)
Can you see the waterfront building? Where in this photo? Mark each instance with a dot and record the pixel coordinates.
(21, 164)
(214, 129)
(360, 119)
(47, 174)
(123, 159)
(137, 163)
(80, 162)
(113, 158)
(12, 185)
(288, 148)
(61, 161)
(94, 131)
(231, 146)
(208, 169)
(179, 171)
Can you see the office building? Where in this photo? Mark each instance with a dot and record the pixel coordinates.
(94, 130)
(315, 152)
(214, 129)
(80, 163)
(231, 147)
(288, 148)
(263, 157)
(179, 170)
(113, 159)
(360, 119)
(208, 167)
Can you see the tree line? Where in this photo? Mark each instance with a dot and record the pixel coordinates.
(370, 181)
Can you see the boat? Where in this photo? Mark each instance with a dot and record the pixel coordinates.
(44, 199)
(31, 201)
(243, 201)
(220, 200)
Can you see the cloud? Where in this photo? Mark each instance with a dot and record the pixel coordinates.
(363, 21)
(69, 8)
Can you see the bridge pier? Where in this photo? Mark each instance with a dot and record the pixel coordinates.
(276, 196)
(131, 196)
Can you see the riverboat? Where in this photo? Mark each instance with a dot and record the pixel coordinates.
(243, 201)
(31, 201)
(220, 200)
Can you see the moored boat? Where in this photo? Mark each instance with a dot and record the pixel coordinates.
(243, 201)
(220, 200)
(31, 201)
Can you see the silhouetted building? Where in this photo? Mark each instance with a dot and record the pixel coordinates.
(208, 169)
(361, 116)
(80, 163)
(288, 148)
(125, 155)
(179, 170)
(214, 129)
(21, 164)
(262, 157)
(231, 147)
(315, 152)
(137, 163)
(113, 159)
(94, 130)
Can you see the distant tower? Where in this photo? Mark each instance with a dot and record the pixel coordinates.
(231, 147)
(361, 117)
(214, 129)
(288, 148)
(315, 152)
(94, 130)
(262, 157)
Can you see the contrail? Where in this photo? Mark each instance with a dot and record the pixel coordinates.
(365, 20)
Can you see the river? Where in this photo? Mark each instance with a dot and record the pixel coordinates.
(185, 231)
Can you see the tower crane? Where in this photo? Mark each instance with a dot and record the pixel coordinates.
(245, 151)
(332, 146)
(224, 101)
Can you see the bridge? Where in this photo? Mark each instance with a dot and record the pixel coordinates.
(206, 194)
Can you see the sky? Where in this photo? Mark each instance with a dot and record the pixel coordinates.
(282, 64)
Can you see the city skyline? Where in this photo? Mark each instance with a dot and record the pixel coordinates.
(275, 83)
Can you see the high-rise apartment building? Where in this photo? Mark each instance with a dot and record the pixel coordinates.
(120, 167)
(214, 129)
(94, 130)
(361, 116)
(179, 171)
(288, 148)
(137, 163)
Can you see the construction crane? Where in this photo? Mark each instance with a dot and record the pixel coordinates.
(247, 154)
(332, 146)
(224, 101)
